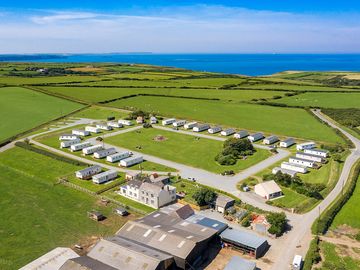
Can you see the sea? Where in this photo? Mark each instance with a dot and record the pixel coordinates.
(245, 64)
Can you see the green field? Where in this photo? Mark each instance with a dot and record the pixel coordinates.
(186, 149)
(37, 215)
(17, 80)
(22, 109)
(100, 113)
(282, 121)
(291, 199)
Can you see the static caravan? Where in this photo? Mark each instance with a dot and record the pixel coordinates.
(317, 152)
(169, 121)
(297, 263)
(310, 157)
(256, 137)
(92, 149)
(66, 144)
(302, 162)
(307, 145)
(287, 143)
(190, 125)
(294, 167)
(201, 127)
(92, 129)
(284, 171)
(79, 146)
(214, 130)
(125, 122)
(104, 152)
(103, 126)
(153, 120)
(179, 123)
(88, 172)
(127, 162)
(241, 134)
(271, 139)
(104, 177)
(114, 124)
(80, 132)
(227, 132)
(68, 137)
(118, 156)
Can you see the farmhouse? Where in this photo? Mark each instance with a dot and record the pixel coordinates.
(310, 157)
(153, 120)
(271, 139)
(241, 134)
(88, 172)
(268, 190)
(114, 124)
(127, 162)
(302, 162)
(317, 152)
(256, 137)
(66, 144)
(307, 145)
(125, 122)
(287, 142)
(92, 149)
(92, 129)
(68, 137)
(190, 125)
(201, 127)
(131, 189)
(80, 132)
(79, 146)
(214, 130)
(284, 171)
(169, 121)
(294, 167)
(227, 132)
(118, 156)
(179, 123)
(104, 177)
(104, 152)
(103, 126)
(238, 263)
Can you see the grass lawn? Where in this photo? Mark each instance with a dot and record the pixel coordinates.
(186, 149)
(282, 121)
(101, 113)
(89, 185)
(291, 199)
(22, 109)
(37, 215)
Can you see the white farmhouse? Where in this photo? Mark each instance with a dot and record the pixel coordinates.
(302, 162)
(66, 144)
(227, 132)
(287, 142)
(317, 152)
(104, 152)
(294, 167)
(127, 162)
(268, 190)
(104, 177)
(190, 125)
(103, 126)
(179, 123)
(80, 132)
(68, 137)
(256, 137)
(241, 134)
(87, 173)
(118, 156)
(92, 129)
(201, 127)
(92, 149)
(214, 130)
(169, 121)
(271, 139)
(306, 145)
(310, 157)
(114, 124)
(125, 122)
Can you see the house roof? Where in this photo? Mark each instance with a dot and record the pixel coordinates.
(85, 263)
(243, 238)
(150, 187)
(269, 187)
(288, 140)
(238, 263)
(134, 183)
(272, 137)
(223, 200)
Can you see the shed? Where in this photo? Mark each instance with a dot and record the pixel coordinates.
(268, 190)
(121, 211)
(238, 263)
(223, 202)
(96, 215)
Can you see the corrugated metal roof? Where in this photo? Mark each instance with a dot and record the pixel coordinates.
(243, 238)
(87, 263)
(207, 222)
(237, 263)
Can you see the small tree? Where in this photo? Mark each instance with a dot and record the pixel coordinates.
(204, 196)
(278, 223)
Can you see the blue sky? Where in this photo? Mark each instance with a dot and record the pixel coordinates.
(187, 26)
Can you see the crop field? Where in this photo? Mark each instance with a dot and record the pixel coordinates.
(40, 215)
(190, 150)
(15, 80)
(282, 121)
(22, 109)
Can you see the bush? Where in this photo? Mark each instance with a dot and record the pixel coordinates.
(246, 222)
(234, 149)
(225, 160)
(204, 196)
(278, 223)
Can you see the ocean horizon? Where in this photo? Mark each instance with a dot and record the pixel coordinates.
(245, 64)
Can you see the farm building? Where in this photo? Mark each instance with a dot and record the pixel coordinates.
(80, 132)
(271, 139)
(302, 162)
(238, 263)
(287, 143)
(92, 129)
(179, 123)
(201, 127)
(66, 144)
(121, 211)
(294, 167)
(241, 134)
(88, 172)
(118, 156)
(96, 215)
(92, 149)
(256, 137)
(79, 146)
(103, 126)
(104, 177)
(310, 157)
(247, 242)
(125, 122)
(260, 224)
(85, 263)
(223, 202)
(284, 171)
(68, 137)
(268, 190)
(127, 162)
(114, 124)
(153, 120)
(214, 130)
(227, 132)
(207, 222)
(104, 152)
(169, 121)
(307, 145)
(190, 125)
(140, 120)
(317, 152)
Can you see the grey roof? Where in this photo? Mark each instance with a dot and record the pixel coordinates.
(272, 137)
(288, 140)
(85, 263)
(105, 150)
(134, 183)
(318, 150)
(207, 222)
(237, 263)
(182, 212)
(301, 159)
(223, 200)
(89, 169)
(145, 186)
(308, 155)
(105, 173)
(242, 237)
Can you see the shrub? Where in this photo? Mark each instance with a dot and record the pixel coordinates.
(204, 196)
(278, 223)
(313, 255)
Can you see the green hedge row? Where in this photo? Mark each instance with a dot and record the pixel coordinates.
(49, 154)
(313, 255)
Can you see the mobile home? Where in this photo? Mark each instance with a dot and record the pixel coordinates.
(103, 126)
(227, 132)
(66, 144)
(92, 129)
(201, 127)
(127, 162)
(271, 139)
(310, 157)
(214, 130)
(317, 152)
(179, 123)
(169, 121)
(287, 143)
(256, 137)
(80, 132)
(104, 177)
(114, 124)
(241, 134)
(190, 125)
(307, 145)
(92, 149)
(104, 152)
(302, 162)
(79, 146)
(118, 156)
(294, 167)
(125, 122)
(284, 171)
(87, 173)
(68, 137)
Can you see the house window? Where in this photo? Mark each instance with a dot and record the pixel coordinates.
(152, 195)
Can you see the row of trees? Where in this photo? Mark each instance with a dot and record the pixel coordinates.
(234, 149)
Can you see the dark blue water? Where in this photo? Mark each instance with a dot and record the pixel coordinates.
(248, 64)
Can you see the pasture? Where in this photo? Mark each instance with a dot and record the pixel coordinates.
(22, 109)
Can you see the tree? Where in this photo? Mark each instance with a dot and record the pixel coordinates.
(278, 223)
(204, 196)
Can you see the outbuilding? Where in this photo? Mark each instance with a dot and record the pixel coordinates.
(104, 176)
(223, 203)
(317, 152)
(125, 122)
(302, 162)
(96, 215)
(118, 156)
(256, 137)
(92, 149)
(87, 173)
(287, 142)
(238, 263)
(227, 132)
(241, 134)
(294, 167)
(79, 146)
(271, 139)
(214, 130)
(121, 211)
(201, 127)
(92, 129)
(67, 144)
(168, 121)
(80, 132)
(268, 190)
(190, 125)
(306, 145)
(179, 123)
(130, 161)
(104, 152)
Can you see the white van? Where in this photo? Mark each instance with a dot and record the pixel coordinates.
(297, 262)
